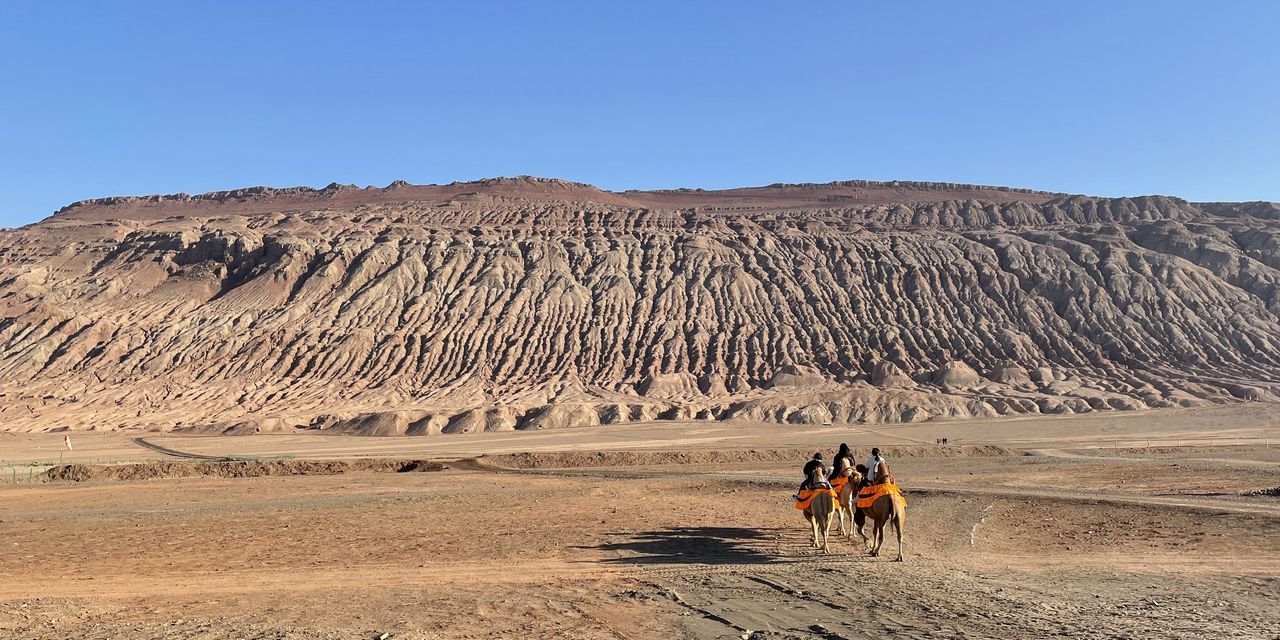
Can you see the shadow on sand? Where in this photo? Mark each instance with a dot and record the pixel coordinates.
(694, 545)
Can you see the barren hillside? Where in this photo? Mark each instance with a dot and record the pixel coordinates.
(528, 303)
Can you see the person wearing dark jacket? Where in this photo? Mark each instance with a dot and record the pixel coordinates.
(842, 455)
(809, 467)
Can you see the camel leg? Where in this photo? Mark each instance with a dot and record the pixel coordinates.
(813, 526)
(897, 528)
(826, 531)
(860, 522)
(851, 509)
(877, 534)
(839, 521)
(899, 517)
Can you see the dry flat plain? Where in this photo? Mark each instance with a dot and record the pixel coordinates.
(1130, 524)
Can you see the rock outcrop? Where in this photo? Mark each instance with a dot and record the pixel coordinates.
(887, 374)
(526, 303)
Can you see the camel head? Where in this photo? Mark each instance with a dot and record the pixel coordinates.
(855, 478)
(816, 478)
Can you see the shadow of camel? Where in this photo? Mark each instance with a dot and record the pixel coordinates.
(685, 545)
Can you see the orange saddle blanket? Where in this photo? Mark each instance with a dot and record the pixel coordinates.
(807, 496)
(869, 494)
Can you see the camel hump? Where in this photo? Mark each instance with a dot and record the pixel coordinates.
(873, 494)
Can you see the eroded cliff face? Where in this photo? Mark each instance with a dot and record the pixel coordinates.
(528, 303)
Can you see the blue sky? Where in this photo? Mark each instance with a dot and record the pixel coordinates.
(1100, 97)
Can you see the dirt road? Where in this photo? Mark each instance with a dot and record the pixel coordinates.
(1226, 425)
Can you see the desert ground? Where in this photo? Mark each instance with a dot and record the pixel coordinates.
(1122, 524)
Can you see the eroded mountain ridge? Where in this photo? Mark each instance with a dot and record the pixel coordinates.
(532, 303)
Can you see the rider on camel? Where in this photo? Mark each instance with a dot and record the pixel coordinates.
(842, 456)
(877, 468)
(809, 467)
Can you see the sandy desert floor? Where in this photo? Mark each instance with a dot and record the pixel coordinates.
(1068, 527)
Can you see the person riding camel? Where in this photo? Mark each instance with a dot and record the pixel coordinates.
(809, 467)
(842, 455)
(877, 467)
(883, 475)
(843, 474)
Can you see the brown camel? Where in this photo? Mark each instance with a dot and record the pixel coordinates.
(885, 509)
(848, 480)
(819, 511)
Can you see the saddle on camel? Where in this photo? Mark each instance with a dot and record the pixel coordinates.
(845, 484)
(883, 502)
(818, 502)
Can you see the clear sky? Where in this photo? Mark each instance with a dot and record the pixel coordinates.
(1103, 97)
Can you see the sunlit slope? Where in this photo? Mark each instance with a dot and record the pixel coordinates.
(532, 303)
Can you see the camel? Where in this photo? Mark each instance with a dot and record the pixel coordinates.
(885, 509)
(847, 496)
(819, 511)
